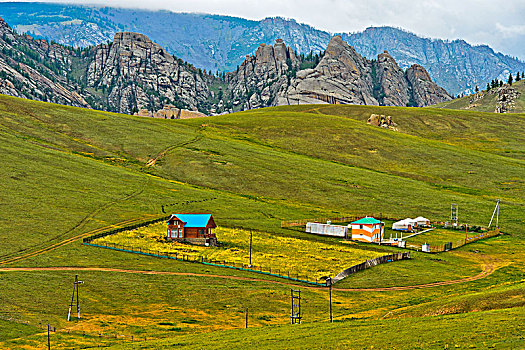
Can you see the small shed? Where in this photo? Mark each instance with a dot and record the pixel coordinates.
(193, 228)
(422, 222)
(368, 229)
(407, 224)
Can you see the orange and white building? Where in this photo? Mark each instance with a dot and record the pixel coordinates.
(368, 229)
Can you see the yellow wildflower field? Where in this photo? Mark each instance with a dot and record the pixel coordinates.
(284, 255)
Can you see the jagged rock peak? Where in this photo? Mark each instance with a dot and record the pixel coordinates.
(343, 76)
(130, 36)
(256, 83)
(419, 72)
(139, 74)
(424, 91)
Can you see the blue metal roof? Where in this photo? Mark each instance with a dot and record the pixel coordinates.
(194, 220)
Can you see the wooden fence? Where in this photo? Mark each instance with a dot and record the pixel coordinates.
(370, 263)
(453, 245)
(260, 269)
(124, 228)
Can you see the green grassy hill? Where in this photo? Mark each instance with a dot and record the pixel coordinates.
(489, 101)
(67, 171)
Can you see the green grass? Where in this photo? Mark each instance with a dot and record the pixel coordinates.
(67, 171)
(475, 330)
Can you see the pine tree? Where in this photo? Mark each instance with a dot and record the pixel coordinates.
(518, 78)
(500, 83)
(488, 86)
(511, 79)
(477, 89)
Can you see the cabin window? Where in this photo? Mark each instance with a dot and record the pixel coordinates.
(360, 227)
(180, 233)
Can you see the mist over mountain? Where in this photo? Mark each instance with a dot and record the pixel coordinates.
(221, 43)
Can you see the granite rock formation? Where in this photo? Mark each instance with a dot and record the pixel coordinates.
(345, 77)
(260, 77)
(139, 74)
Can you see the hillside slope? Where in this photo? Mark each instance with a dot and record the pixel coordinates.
(504, 99)
(69, 171)
(221, 43)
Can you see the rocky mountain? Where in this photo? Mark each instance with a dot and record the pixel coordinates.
(260, 77)
(345, 77)
(134, 73)
(127, 75)
(456, 65)
(37, 70)
(222, 43)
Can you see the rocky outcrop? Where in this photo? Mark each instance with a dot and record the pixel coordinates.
(424, 91)
(455, 65)
(342, 76)
(170, 112)
(139, 74)
(259, 78)
(391, 82)
(506, 98)
(382, 121)
(345, 77)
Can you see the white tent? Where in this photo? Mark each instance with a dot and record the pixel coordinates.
(407, 224)
(421, 221)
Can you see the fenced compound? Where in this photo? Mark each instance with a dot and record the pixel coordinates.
(452, 245)
(303, 222)
(370, 263)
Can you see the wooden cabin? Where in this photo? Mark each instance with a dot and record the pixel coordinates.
(192, 228)
(368, 229)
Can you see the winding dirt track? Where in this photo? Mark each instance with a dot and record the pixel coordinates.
(487, 270)
(50, 247)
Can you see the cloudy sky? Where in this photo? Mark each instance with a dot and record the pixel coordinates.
(496, 23)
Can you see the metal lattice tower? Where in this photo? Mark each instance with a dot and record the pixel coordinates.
(454, 214)
(296, 306)
(75, 291)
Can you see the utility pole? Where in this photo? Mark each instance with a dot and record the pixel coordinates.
(48, 340)
(329, 281)
(246, 317)
(296, 306)
(497, 215)
(75, 291)
(495, 212)
(251, 237)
